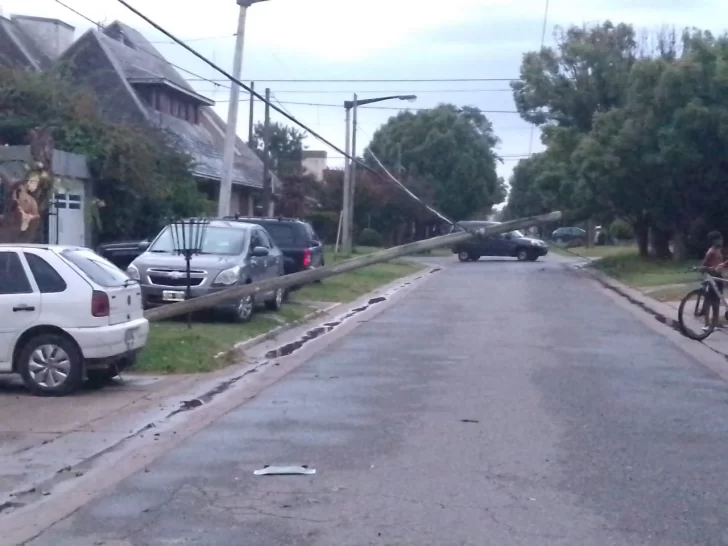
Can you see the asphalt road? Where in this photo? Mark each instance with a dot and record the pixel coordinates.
(499, 404)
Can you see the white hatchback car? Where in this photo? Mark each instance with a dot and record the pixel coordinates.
(66, 314)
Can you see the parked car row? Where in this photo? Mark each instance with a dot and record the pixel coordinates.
(68, 314)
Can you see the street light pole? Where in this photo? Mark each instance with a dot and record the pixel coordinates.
(228, 156)
(347, 215)
(352, 176)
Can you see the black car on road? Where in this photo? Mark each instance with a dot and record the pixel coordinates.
(302, 249)
(511, 244)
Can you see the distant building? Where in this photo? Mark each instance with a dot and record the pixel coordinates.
(314, 163)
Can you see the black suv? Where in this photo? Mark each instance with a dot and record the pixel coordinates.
(302, 249)
(513, 244)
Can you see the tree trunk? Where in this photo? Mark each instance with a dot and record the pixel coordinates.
(680, 249)
(642, 231)
(26, 199)
(661, 243)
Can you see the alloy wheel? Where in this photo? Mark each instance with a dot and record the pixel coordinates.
(49, 366)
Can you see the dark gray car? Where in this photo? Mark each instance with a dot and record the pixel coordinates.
(233, 254)
(513, 244)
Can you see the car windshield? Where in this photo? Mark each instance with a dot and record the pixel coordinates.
(96, 268)
(217, 240)
(515, 234)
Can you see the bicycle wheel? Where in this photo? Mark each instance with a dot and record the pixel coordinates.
(698, 315)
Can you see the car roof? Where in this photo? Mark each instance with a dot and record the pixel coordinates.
(55, 248)
(232, 224)
(267, 219)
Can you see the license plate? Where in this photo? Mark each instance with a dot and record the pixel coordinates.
(173, 295)
(129, 337)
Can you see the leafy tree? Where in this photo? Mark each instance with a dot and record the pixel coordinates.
(449, 152)
(286, 146)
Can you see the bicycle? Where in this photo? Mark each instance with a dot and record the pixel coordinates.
(708, 299)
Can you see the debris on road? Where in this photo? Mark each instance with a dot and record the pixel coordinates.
(268, 470)
(469, 421)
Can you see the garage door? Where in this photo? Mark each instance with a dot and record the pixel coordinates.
(68, 226)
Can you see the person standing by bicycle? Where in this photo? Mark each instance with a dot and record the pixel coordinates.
(714, 263)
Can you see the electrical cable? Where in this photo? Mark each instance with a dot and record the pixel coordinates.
(325, 105)
(412, 80)
(291, 118)
(543, 40)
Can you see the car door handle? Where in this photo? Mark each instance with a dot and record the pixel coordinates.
(23, 308)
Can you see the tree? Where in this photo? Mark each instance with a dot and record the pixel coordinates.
(449, 151)
(141, 177)
(285, 145)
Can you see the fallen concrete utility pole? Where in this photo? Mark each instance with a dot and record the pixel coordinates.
(306, 277)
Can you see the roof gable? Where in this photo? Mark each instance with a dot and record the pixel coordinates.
(17, 49)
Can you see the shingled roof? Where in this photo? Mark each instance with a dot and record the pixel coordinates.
(133, 60)
(17, 49)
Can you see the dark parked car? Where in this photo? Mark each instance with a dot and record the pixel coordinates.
(512, 244)
(571, 236)
(302, 249)
(233, 254)
(121, 254)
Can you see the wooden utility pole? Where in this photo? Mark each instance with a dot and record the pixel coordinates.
(267, 186)
(312, 275)
(251, 117)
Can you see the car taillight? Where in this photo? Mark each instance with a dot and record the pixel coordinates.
(100, 304)
(306, 258)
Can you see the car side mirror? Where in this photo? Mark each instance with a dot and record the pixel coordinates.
(144, 245)
(259, 252)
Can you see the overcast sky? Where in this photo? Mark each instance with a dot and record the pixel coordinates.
(376, 39)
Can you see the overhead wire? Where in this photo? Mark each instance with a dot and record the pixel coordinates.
(231, 78)
(359, 80)
(543, 41)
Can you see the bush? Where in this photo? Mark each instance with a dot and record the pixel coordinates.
(621, 230)
(369, 237)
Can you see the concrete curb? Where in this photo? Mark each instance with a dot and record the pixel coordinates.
(660, 311)
(275, 332)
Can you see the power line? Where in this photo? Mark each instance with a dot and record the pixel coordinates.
(430, 80)
(394, 91)
(101, 26)
(543, 40)
(202, 39)
(328, 105)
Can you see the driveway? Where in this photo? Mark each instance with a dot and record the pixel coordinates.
(500, 403)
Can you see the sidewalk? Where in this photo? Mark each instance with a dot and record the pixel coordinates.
(665, 312)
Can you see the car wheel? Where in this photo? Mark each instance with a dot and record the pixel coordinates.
(522, 255)
(464, 256)
(533, 257)
(244, 310)
(277, 302)
(51, 365)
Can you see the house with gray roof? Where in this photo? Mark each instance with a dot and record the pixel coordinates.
(135, 84)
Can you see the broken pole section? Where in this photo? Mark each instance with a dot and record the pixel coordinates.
(305, 277)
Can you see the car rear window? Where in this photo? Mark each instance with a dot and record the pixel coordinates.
(282, 234)
(96, 268)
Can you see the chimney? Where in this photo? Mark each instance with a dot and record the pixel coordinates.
(52, 36)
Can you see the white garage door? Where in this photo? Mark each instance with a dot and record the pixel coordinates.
(68, 226)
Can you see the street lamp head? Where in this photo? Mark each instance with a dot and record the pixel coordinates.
(410, 98)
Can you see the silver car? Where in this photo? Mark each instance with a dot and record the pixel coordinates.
(233, 253)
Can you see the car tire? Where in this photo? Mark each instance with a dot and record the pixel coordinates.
(50, 358)
(475, 257)
(522, 254)
(533, 257)
(277, 302)
(244, 310)
(464, 256)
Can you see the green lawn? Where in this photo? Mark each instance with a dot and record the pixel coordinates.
(174, 348)
(595, 251)
(646, 272)
(349, 286)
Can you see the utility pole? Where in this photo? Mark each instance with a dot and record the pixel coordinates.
(267, 185)
(251, 117)
(228, 156)
(346, 190)
(352, 176)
